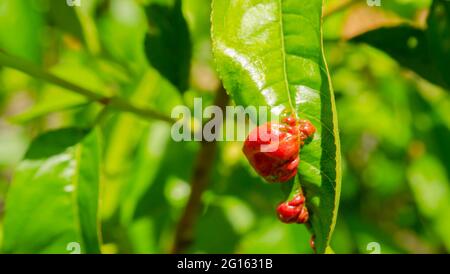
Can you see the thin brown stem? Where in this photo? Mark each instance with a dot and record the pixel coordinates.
(185, 230)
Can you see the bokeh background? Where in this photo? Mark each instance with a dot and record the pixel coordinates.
(394, 129)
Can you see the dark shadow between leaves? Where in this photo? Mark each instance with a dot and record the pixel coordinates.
(168, 45)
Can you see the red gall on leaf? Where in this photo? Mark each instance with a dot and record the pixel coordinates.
(273, 148)
(293, 211)
(288, 214)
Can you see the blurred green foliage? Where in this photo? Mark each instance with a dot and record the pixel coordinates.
(394, 129)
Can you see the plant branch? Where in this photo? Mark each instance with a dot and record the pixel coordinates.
(111, 101)
(185, 230)
(101, 116)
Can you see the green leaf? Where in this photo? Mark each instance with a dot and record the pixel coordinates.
(52, 203)
(151, 150)
(438, 35)
(426, 52)
(168, 45)
(124, 21)
(408, 46)
(21, 29)
(270, 53)
(86, 16)
(430, 188)
(65, 18)
(54, 99)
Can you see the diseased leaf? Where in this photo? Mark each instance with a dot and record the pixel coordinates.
(53, 200)
(426, 52)
(168, 45)
(269, 53)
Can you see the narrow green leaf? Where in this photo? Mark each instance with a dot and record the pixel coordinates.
(86, 16)
(65, 18)
(54, 99)
(270, 53)
(53, 200)
(168, 45)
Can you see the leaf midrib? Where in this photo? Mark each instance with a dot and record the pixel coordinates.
(283, 56)
(75, 206)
